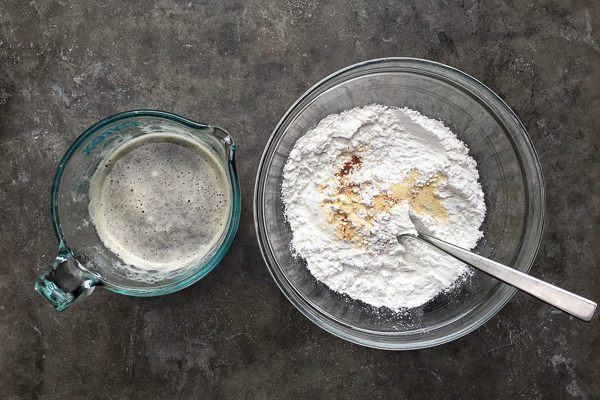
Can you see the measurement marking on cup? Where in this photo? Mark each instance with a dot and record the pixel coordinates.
(100, 138)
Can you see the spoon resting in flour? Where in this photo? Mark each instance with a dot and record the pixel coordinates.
(571, 303)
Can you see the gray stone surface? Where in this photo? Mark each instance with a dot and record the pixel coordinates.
(240, 64)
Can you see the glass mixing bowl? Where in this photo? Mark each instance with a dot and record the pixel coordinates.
(510, 175)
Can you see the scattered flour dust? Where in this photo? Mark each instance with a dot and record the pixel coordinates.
(351, 186)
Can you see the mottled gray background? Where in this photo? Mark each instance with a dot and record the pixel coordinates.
(240, 64)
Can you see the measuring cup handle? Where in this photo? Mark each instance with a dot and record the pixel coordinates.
(65, 282)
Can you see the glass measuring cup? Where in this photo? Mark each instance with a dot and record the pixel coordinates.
(83, 261)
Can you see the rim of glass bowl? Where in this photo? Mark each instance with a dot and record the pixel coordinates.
(534, 226)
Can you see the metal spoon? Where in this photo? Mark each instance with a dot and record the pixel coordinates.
(573, 304)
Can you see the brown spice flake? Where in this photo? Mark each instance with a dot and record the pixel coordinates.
(350, 166)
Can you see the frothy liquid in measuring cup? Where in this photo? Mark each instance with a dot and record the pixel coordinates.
(161, 201)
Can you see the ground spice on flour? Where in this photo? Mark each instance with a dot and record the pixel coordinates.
(351, 186)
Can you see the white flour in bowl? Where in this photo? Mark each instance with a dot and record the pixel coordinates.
(350, 187)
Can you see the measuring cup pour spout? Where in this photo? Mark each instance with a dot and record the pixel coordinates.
(65, 282)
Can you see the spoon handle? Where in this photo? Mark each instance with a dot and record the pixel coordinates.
(573, 304)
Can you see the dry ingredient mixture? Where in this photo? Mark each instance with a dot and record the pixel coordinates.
(360, 179)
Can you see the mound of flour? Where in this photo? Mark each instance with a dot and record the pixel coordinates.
(360, 179)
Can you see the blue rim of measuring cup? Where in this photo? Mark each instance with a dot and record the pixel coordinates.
(235, 211)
